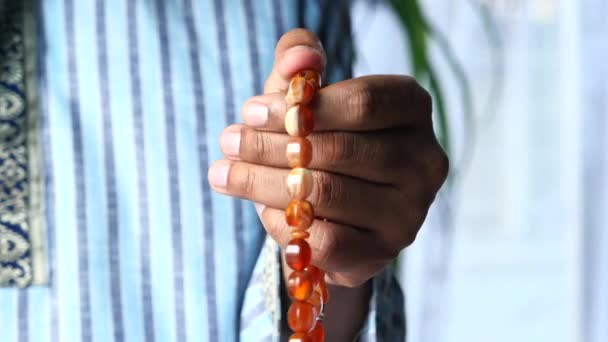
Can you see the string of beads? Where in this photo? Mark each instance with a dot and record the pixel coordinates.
(306, 284)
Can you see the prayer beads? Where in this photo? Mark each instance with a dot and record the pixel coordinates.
(299, 91)
(298, 254)
(299, 214)
(300, 337)
(301, 316)
(299, 121)
(300, 234)
(306, 285)
(299, 152)
(299, 285)
(299, 183)
(318, 332)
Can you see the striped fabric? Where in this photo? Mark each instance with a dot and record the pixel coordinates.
(133, 97)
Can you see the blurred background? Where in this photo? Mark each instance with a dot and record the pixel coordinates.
(515, 248)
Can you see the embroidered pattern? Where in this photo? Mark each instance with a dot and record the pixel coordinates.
(15, 246)
(272, 283)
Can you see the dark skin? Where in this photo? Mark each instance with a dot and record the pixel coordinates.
(377, 167)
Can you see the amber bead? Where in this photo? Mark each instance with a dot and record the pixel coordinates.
(313, 77)
(299, 121)
(300, 234)
(299, 214)
(299, 152)
(318, 333)
(316, 301)
(301, 317)
(298, 254)
(299, 183)
(300, 337)
(299, 285)
(316, 273)
(323, 291)
(300, 91)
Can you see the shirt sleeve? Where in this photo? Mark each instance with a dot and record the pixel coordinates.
(386, 318)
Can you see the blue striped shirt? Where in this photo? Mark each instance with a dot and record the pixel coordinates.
(132, 97)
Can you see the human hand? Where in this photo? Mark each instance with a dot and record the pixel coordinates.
(376, 163)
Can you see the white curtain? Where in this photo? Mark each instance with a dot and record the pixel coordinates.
(526, 258)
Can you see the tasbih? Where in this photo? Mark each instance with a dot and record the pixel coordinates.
(306, 284)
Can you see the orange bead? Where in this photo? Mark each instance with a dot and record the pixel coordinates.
(299, 285)
(300, 337)
(300, 91)
(298, 254)
(315, 272)
(299, 214)
(299, 183)
(323, 291)
(301, 317)
(299, 121)
(299, 152)
(311, 76)
(318, 333)
(316, 301)
(300, 234)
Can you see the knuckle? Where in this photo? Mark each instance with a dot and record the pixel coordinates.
(249, 182)
(438, 167)
(260, 144)
(443, 165)
(248, 140)
(244, 179)
(416, 95)
(326, 190)
(425, 98)
(398, 242)
(338, 148)
(360, 102)
(258, 147)
(409, 237)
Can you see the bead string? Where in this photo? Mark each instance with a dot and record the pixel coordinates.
(306, 284)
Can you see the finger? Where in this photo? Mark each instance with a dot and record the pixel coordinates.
(339, 198)
(297, 50)
(335, 247)
(359, 104)
(373, 156)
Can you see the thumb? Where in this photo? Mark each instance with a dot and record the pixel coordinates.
(297, 50)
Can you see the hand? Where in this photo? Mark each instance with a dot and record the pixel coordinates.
(377, 165)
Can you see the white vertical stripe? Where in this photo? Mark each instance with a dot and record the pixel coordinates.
(65, 264)
(571, 159)
(89, 100)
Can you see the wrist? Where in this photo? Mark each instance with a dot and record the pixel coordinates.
(347, 311)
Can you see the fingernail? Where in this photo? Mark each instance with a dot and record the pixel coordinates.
(256, 114)
(293, 58)
(230, 143)
(297, 48)
(218, 174)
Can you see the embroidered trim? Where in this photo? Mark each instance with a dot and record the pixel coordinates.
(272, 283)
(40, 272)
(15, 231)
